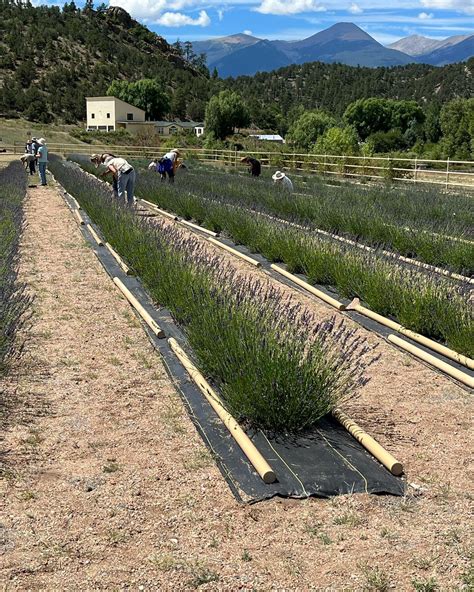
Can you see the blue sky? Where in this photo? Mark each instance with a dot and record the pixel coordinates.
(386, 21)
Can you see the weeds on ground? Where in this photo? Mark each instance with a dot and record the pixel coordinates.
(375, 580)
(428, 585)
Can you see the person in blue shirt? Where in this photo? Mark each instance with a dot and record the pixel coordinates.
(42, 158)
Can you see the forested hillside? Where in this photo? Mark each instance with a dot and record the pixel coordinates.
(50, 59)
(334, 86)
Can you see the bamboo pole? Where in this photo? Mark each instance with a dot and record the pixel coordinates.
(197, 227)
(434, 345)
(354, 305)
(437, 347)
(78, 217)
(389, 461)
(247, 446)
(234, 252)
(95, 236)
(119, 259)
(309, 288)
(155, 207)
(157, 330)
(430, 359)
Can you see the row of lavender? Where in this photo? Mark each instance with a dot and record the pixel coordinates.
(275, 364)
(435, 306)
(14, 302)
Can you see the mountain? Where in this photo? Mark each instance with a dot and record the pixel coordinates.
(458, 52)
(417, 45)
(81, 52)
(347, 43)
(218, 48)
(258, 57)
(343, 43)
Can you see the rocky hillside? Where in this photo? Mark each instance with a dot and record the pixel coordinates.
(51, 58)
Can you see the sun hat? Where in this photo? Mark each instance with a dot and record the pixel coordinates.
(244, 159)
(176, 151)
(278, 176)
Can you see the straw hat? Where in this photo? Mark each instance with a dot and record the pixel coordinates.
(244, 159)
(278, 176)
(176, 151)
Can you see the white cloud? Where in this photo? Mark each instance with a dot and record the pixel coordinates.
(177, 19)
(292, 7)
(247, 32)
(220, 14)
(355, 9)
(466, 6)
(425, 15)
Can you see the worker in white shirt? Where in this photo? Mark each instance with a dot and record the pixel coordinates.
(282, 181)
(168, 165)
(123, 173)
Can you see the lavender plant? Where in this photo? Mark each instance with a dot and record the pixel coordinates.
(277, 366)
(14, 301)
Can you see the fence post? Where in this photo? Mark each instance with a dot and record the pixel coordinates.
(416, 168)
(447, 173)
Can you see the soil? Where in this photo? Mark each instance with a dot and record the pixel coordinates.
(107, 485)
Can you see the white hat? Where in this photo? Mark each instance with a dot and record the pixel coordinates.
(278, 176)
(176, 151)
(42, 141)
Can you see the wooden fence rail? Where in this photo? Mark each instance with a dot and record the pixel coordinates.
(447, 173)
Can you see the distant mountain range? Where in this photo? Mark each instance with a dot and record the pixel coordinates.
(344, 43)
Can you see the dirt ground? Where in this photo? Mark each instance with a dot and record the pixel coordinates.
(107, 486)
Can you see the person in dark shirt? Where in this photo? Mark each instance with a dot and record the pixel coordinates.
(255, 168)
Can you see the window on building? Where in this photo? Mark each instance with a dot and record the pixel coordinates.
(92, 115)
(102, 127)
(92, 128)
(129, 116)
(110, 128)
(108, 115)
(173, 129)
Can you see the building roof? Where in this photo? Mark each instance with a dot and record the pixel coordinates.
(183, 124)
(271, 137)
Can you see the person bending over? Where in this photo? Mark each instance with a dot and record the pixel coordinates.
(122, 172)
(254, 166)
(282, 181)
(168, 165)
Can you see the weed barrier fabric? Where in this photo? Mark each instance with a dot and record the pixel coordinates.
(324, 462)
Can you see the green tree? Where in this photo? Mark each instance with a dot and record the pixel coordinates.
(338, 141)
(368, 116)
(405, 114)
(309, 127)
(457, 125)
(178, 103)
(224, 113)
(145, 94)
(432, 126)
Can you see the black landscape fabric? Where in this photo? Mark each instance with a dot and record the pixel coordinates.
(324, 462)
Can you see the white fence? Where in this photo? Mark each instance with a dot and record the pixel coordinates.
(447, 173)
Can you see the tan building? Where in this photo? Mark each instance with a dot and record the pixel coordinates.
(107, 114)
(104, 113)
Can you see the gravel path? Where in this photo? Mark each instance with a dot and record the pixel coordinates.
(107, 486)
